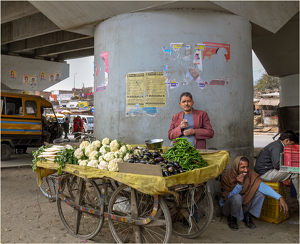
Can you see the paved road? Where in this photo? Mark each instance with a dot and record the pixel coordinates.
(263, 139)
(17, 160)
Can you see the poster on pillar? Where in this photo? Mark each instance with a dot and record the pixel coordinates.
(51, 77)
(135, 90)
(145, 91)
(43, 75)
(26, 79)
(33, 80)
(155, 89)
(13, 74)
(57, 76)
(103, 83)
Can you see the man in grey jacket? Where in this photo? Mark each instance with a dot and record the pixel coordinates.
(267, 162)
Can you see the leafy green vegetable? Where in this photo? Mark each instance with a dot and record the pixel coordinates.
(65, 156)
(188, 157)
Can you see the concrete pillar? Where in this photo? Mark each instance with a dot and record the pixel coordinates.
(289, 90)
(288, 111)
(134, 43)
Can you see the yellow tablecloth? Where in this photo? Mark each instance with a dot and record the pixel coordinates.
(152, 185)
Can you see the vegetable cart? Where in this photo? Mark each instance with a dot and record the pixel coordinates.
(142, 208)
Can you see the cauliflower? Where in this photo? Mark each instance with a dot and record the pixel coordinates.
(114, 146)
(123, 149)
(82, 162)
(113, 164)
(78, 153)
(93, 155)
(101, 159)
(102, 150)
(89, 149)
(118, 154)
(127, 157)
(84, 144)
(109, 156)
(103, 165)
(105, 141)
(93, 163)
(129, 147)
(96, 144)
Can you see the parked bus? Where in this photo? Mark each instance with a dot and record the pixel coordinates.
(23, 124)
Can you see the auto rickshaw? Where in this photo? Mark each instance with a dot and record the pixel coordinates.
(23, 124)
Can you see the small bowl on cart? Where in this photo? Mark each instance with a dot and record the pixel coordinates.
(154, 144)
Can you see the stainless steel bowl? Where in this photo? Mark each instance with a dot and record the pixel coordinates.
(154, 144)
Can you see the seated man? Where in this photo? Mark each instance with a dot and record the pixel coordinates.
(243, 194)
(267, 162)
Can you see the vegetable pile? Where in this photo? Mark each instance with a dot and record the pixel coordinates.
(103, 154)
(154, 158)
(183, 152)
(106, 155)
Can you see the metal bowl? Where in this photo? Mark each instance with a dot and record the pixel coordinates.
(154, 144)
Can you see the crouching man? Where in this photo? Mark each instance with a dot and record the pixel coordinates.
(243, 194)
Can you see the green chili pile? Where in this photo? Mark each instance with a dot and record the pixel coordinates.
(183, 152)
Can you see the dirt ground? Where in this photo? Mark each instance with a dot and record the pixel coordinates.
(28, 217)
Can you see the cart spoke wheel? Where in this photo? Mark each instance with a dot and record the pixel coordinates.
(49, 187)
(122, 202)
(86, 194)
(190, 221)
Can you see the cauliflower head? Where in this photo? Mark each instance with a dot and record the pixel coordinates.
(78, 153)
(93, 155)
(113, 164)
(129, 147)
(114, 146)
(123, 149)
(127, 157)
(118, 154)
(103, 165)
(96, 144)
(84, 144)
(109, 156)
(93, 163)
(89, 149)
(83, 162)
(101, 158)
(105, 141)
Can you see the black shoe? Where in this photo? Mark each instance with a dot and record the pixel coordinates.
(248, 221)
(232, 223)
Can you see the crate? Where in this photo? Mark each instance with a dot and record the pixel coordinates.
(270, 211)
(291, 156)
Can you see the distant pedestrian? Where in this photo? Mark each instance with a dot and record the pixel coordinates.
(66, 127)
(77, 127)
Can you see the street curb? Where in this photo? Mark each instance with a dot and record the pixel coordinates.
(16, 166)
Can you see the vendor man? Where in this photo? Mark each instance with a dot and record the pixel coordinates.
(243, 194)
(192, 124)
(267, 162)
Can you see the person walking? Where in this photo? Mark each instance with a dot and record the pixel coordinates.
(77, 127)
(66, 127)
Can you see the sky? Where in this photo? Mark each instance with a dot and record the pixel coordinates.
(82, 69)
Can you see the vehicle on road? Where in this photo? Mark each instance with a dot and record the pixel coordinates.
(22, 123)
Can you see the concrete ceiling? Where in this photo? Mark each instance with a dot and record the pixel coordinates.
(60, 30)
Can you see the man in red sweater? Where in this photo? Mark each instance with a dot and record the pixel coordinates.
(192, 124)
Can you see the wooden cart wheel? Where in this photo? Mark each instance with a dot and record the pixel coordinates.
(190, 221)
(128, 202)
(85, 193)
(48, 187)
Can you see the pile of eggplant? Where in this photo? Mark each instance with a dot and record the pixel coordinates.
(143, 156)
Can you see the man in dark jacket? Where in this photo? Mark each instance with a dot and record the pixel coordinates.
(267, 162)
